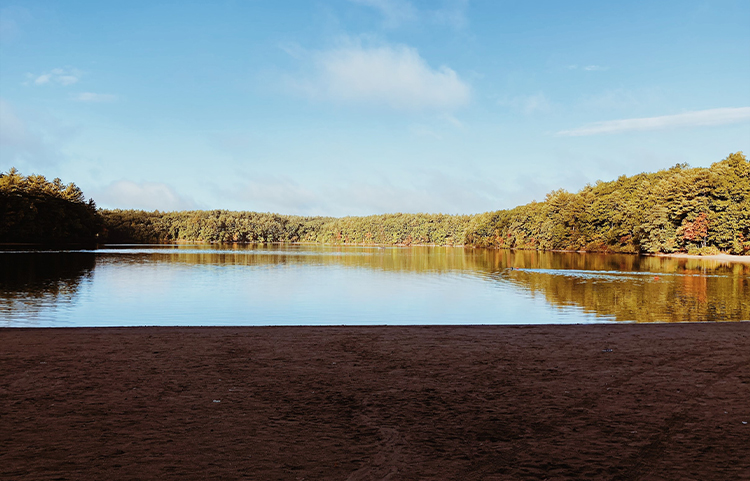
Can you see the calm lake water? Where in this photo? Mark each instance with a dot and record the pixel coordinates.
(192, 285)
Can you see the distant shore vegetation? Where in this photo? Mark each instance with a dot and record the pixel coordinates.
(681, 209)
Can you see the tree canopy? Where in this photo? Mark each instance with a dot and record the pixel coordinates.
(681, 209)
(35, 210)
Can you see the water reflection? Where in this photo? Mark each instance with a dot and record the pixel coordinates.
(335, 284)
(32, 281)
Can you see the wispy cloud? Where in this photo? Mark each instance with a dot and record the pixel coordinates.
(11, 20)
(435, 191)
(31, 140)
(688, 119)
(273, 193)
(424, 131)
(292, 49)
(395, 76)
(528, 104)
(395, 12)
(452, 14)
(126, 194)
(57, 76)
(93, 97)
(620, 99)
(588, 68)
(430, 191)
(398, 12)
(453, 121)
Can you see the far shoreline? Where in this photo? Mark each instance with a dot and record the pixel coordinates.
(729, 258)
(715, 257)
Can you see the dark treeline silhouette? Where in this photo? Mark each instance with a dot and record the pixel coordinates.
(35, 210)
(682, 209)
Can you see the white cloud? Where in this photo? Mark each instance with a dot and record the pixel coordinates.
(125, 194)
(92, 97)
(396, 76)
(67, 79)
(58, 76)
(688, 119)
(42, 79)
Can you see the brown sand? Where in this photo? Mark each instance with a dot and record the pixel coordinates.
(359, 403)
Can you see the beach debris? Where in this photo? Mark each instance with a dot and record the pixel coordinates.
(744, 422)
(607, 350)
(217, 400)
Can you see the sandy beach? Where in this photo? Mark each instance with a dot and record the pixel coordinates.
(616, 402)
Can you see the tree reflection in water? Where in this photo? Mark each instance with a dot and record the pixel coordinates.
(620, 286)
(31, 281)
(614, 286)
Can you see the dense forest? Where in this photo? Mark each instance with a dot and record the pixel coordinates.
(694, 210)
(681, 209)
(227, 226)
(35, 210)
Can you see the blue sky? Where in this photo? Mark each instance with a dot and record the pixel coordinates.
(355, 107)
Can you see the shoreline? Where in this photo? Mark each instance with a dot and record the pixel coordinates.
(742, 259)
(603, 401)
(716, 257)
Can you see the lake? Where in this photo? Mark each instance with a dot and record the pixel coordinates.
(258, 285)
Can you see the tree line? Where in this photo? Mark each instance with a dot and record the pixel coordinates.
(681, 209)
(694, 210)
(35, 210)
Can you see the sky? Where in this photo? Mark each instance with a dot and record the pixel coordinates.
(359, 107)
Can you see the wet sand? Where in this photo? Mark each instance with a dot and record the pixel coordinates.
(614, 402)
